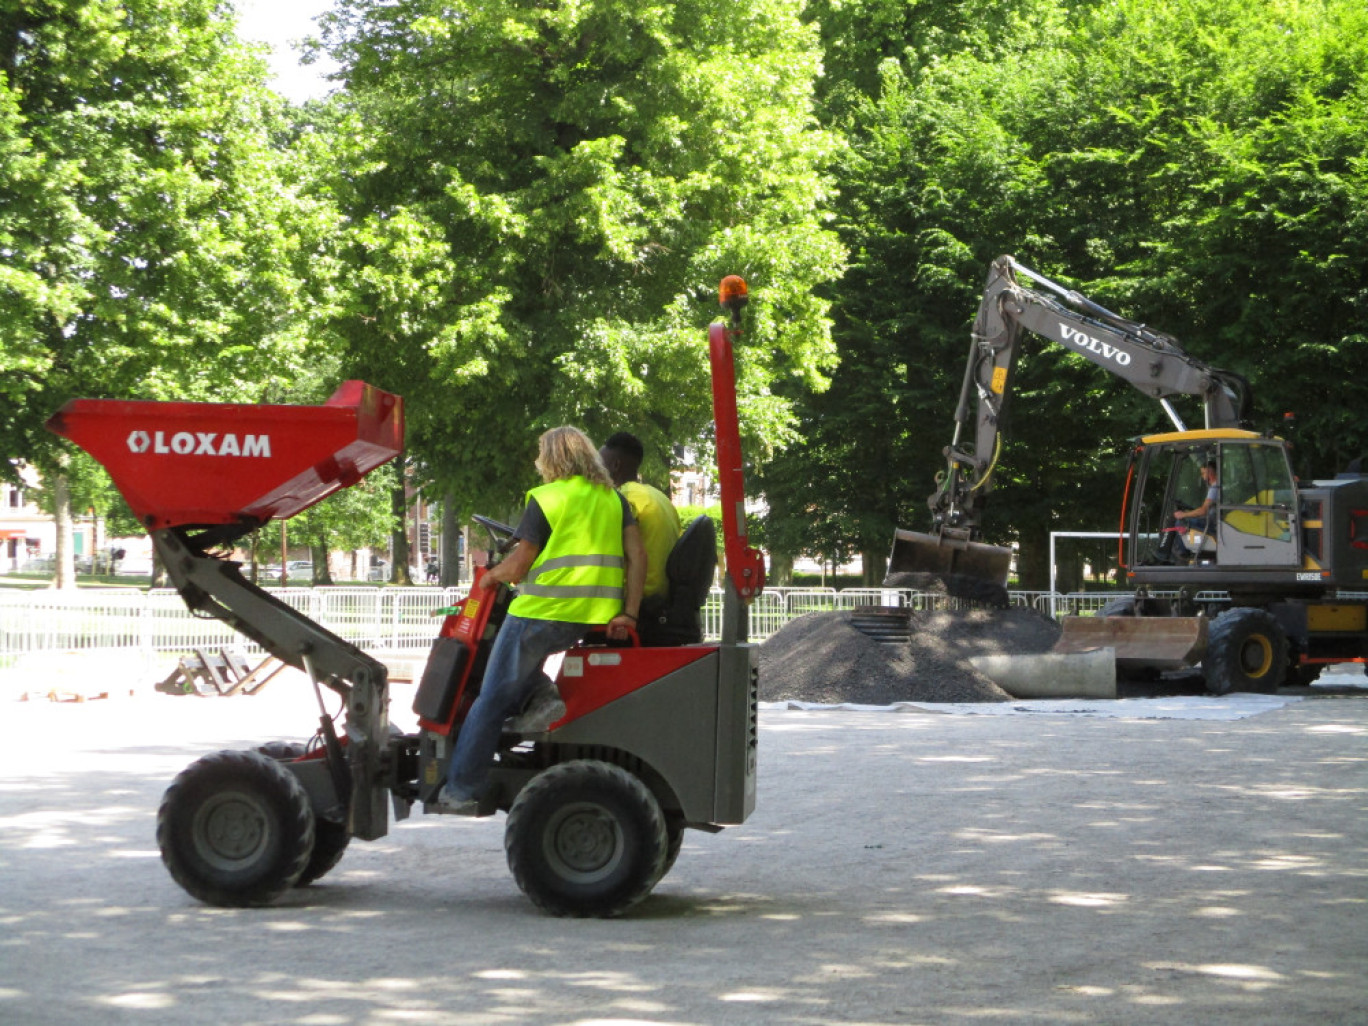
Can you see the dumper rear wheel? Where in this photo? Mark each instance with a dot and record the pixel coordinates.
(1246, 651)
(586, 838)
(236, 829)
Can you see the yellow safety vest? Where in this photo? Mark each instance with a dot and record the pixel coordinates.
(579, 574)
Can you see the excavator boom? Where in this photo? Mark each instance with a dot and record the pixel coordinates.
(1149, 360)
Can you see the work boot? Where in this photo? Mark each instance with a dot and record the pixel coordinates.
(455, 806)
(544, 708)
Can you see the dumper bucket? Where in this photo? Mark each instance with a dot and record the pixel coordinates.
(1141, 642)
(202, 464)
(970, 569)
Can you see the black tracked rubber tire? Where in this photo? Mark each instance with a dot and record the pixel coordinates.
(235, 829)
(586, 838)
(1246, 651)
(960, 586)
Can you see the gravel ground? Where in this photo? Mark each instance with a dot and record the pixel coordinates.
(900, 869)
(825, 658)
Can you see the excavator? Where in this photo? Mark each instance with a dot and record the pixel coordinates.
(1258, 591)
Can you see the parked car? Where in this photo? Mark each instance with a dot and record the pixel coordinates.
(300, 568)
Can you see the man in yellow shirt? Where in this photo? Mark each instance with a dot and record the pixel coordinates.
(655, 515)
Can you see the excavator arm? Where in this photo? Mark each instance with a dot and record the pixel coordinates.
(1149, 360)
(1152, 362)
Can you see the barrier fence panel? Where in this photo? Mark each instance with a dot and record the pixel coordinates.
(156, 622)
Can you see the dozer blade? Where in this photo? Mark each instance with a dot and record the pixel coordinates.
(918, 553)
(1141, 642)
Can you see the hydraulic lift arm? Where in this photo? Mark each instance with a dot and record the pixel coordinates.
(202, 475)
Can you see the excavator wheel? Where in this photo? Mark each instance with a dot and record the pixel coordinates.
(236, 829)
(586, 838)
(960, 586)
(1246, 651)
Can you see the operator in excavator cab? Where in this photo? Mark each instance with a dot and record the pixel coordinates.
(579, 556)
(1195, 525)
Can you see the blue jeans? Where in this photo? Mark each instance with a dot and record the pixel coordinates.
(513, 673)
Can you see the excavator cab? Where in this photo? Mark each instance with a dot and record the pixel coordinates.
(1250, 530)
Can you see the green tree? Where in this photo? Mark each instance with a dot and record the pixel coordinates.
(1197, 165)
(353, 518)
(150, 239)
(543, 198)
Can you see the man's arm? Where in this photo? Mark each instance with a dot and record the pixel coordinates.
(634, 555)
(513, 567)
(1199, 512)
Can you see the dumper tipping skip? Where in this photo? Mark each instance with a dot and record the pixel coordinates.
(183, 464)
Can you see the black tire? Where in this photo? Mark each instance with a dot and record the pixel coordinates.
(330, 843)
(330, 839)
(283, 751)
(586, 838)
(1124, 606)
(235, 829)
(1302, 674)
(1246, 651)
(960, 586)
(674, 838)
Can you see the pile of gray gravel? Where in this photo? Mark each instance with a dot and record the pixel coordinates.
(824, 658)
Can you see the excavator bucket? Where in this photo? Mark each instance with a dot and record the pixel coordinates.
(1140, 642)
(956, 561)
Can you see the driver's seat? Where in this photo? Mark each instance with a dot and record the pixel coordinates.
(677, 619)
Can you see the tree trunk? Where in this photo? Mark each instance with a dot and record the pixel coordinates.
(451, 544)
(399, 545)
(873, 568)
(64, 572)
(318, 553)
(1033, 565)
(780, 571)
(1068, 571)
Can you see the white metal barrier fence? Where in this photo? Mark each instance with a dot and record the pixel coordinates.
(376, 619)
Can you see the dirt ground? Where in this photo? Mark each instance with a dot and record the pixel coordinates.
(905, 868)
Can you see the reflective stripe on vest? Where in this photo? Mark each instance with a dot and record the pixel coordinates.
(578, 576)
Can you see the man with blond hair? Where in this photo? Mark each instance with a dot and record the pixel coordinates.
(578, 555)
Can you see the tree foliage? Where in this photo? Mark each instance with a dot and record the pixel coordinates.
(543, 198)
(1197, 165)
(515, 213)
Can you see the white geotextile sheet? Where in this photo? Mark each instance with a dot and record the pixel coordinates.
(1171, 707)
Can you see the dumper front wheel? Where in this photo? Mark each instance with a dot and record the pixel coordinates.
(236, 829)
(586, 838)
(1246, 651)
